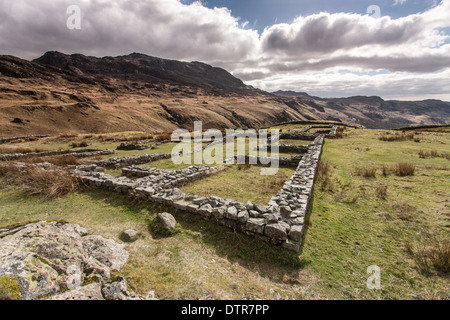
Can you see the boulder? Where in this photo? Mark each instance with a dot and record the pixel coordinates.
(167, 221)
(129, 235)
(118, 290)
(46, 257)
(90, 292)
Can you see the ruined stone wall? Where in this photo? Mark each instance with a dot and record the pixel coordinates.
(170, 178)
(281, 222)
(283, 161)
(78, 153)
(6, 140)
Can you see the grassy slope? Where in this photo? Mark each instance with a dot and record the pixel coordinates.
(343, 238)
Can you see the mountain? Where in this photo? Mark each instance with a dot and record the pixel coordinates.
(59, 93)
(140, 67)
(293, 94)
(374, 112)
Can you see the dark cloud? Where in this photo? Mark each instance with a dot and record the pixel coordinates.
(171, 29)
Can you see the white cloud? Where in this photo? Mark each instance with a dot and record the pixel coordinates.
(297, 54)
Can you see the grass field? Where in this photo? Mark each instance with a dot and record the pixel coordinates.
(355, 222)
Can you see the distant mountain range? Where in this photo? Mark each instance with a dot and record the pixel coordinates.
(75, 93)
(374, 112)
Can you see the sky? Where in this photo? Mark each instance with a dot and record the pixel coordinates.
(399, 49)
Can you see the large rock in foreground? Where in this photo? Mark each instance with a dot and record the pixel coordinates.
(46, 258)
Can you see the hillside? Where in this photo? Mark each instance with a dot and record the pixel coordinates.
(376, 113)
(59, 93)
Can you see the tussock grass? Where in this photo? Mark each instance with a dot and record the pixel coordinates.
(323, 177)
(49, 184)
(61, 160)
(433, 154)
(81, 144)
(10, 149)
(397, 137)
(164, 136)
(366, 171)
(381, 191)
(431, 256)
(404, 169)
(340, 132)
(67, 136)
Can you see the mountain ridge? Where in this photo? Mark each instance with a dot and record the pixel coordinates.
(57, 93)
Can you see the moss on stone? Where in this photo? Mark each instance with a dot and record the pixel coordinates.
(9, 288)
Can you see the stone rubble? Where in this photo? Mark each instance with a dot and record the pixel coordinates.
(132, 146)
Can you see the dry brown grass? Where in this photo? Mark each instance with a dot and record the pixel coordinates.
(245, 166)
(402, 210)
(433, 154)
(10, 149)
(324, 175)
(404, 169)
(366, 172)
(164, 136)
(275, 183)
(63, 160)
(397, 137)
(49, 184)
(432, 255)
(340, 132)
(381, 192)
(385, 171)
(68, 136)
(81, 144)
(125, 137)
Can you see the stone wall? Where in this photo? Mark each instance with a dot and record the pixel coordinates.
(170, 178)
(281, 222)
(78, 153)
(295, 197)
(297, 135)
(283, 161)
(286, 148)
(6, 140)
(121, 162)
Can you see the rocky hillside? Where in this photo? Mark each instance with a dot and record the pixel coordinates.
(374, 112)
(59, 93)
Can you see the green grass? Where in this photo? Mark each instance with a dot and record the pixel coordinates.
(241, 183)
(350, 228)
(295, 142)
(345, 238)
(202, 259)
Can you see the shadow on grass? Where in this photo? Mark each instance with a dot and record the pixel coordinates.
(249, 252)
